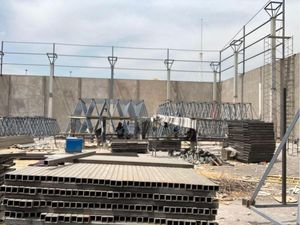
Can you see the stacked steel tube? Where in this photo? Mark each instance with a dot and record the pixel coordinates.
(129, 146)
(253, 140)
(98, 193)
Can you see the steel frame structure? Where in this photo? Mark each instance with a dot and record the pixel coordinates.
(31, 126)
(211, 117)
(90, 114)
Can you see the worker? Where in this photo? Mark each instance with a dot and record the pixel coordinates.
(192, 137)
(120, 130)
(98, 134)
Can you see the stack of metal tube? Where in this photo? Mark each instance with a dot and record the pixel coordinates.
(129, 146)
(108, 193)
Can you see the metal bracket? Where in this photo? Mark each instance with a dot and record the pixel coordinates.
(273, 8)
(112, 60)
(214, 66)
(169, 63)
(236, 44)
(52, 57)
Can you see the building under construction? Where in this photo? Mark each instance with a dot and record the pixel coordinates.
(159, 151)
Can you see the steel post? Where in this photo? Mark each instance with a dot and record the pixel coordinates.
(273, 102)
(215, 66)
(283, 154)
(215, 87)
(283, 97)
(236, 71)
(168, 83)
(244, 64)
(168, 63)
(52, 58)
(112, 61)
(235, 45)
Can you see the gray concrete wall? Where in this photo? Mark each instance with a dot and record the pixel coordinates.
(251, 91)
(27, 95)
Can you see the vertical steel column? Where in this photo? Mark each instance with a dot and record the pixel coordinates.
(273, 102)
(235, 45)
(273, 9)
(283, 95)
(112, 61)
(52, 58)
(236, 74)
(215, 66)
(244, 64)
(1, 58)
(168, 63)
(220, 77)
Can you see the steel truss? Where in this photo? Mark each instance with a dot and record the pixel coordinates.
(211, 117)
(91, 114)
(31, 126)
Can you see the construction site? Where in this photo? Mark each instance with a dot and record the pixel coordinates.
(112, 134)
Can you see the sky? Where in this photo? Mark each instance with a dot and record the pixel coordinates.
(174, 24)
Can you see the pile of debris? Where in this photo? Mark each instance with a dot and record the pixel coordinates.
(164, 144)
(101, 194)
(253, 140)
(201, 157)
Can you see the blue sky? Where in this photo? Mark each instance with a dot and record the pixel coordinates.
(155, 23)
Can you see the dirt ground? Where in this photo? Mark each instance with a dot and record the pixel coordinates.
(231, 210)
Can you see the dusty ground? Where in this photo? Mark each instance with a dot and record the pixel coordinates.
(231, 210)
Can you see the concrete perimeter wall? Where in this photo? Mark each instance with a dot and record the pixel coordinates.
(27, 95)
(254, 92)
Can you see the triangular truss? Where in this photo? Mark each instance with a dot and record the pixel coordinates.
(211, 117)
(89, 113)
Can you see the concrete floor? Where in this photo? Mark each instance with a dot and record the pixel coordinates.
(236, 214)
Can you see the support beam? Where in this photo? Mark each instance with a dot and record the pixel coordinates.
(168, 63)
(235, 45)
(52, 58)
(112, 61)
(215, 67)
